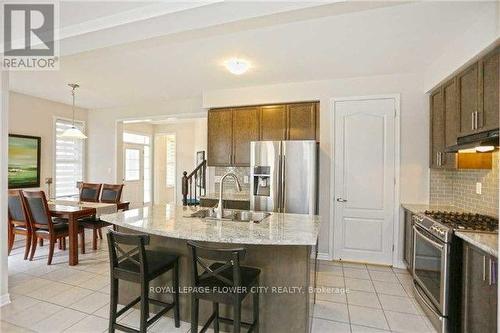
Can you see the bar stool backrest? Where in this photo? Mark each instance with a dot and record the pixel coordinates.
(230, 258)
(16, 209)
(90, 192)
(133, 256)
(38, 210)
(111, 193)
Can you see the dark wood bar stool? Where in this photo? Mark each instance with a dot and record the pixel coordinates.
(109, 194)
(18, 220)
(137, 264)
(228, 282)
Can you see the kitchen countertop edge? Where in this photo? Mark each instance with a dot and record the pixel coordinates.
(488, 242)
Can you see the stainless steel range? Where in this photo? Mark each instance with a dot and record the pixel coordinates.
(436, 256)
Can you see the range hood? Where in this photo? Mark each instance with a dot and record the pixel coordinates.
(485, 139)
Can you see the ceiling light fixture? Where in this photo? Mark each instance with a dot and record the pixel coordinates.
(484, 149)
(73, 132)
(237, 66)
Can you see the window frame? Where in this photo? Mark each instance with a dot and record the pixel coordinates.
(54, 151)
(174, 185)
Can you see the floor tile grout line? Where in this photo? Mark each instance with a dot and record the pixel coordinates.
(381, 307)
(346, 300)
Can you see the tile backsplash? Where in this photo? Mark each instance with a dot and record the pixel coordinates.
(458, 188)
(229, 183)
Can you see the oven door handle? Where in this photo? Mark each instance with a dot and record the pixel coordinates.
(422, 298)
(436, 244)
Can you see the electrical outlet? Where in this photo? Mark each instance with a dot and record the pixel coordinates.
(479, 188)
(245, 179)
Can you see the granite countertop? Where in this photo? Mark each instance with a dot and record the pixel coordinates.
(233, 196)
(485, 241)
(174, 221)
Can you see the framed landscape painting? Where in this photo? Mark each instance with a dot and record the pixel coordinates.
(24, 161)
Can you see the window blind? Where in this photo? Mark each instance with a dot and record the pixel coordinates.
(170, 160)
(69, 159)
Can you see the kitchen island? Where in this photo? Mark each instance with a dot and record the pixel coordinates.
(282, 246)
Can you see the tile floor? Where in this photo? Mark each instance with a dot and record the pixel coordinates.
(55, 299)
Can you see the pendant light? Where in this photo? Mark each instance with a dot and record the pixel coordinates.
(73, 132)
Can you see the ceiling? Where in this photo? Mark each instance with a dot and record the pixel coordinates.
(284, 44)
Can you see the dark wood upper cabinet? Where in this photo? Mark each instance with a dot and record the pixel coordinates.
(301, 121)
(437, 129)
(479, 291)
(273, 123)
(230, 130)
(451, 121)
(220, 141)
(468, 85)
(245, 130)
(489, 91)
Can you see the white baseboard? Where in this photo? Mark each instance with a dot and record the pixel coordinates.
(4, 300)
(324, 256)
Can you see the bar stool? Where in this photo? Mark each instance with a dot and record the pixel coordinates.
(226, 283)
(136, 264)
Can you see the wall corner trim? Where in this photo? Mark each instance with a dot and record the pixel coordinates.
(4, 300)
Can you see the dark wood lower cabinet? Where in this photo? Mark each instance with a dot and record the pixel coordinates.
(408, 240)
(479, 291)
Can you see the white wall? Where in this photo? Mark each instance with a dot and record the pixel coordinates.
(190, 137)
(103, 126)
(414, 126)
(464, 48)
(4, 131)
(34, 116)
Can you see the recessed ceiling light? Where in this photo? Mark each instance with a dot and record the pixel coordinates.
(237, 66)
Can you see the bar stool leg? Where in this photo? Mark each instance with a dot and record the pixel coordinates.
(237, 316)
(28, 246)
(216, 320)
(113, 304)
(144, 306)
(177, 317)
(194, 314)
(256, 309)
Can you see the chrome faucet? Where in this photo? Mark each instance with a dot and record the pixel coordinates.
(219, 211)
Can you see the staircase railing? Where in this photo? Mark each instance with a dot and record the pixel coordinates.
(194, 185)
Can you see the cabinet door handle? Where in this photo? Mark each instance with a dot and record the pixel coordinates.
(484, 268)
(437, 159)
(473, 120)
(493, 273)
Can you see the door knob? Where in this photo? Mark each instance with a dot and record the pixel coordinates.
(341, 200)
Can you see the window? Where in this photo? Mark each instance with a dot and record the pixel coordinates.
(171, 160)
(135, 138)
(147, 174)
(132, 164)
(69, 159)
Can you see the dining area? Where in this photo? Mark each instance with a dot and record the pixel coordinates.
(61, 221)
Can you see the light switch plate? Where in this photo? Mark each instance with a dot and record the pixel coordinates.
(479, 188)
(245, 179)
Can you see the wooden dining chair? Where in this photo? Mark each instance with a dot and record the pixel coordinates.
(18, 220)
(43, 225)
(90, 192)
(110, 194)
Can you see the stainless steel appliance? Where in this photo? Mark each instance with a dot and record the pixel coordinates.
(436, 262)
(283, 176)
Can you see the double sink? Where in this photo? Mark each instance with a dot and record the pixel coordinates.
(231, 215)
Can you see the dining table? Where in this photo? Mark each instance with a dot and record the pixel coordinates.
(72, 210)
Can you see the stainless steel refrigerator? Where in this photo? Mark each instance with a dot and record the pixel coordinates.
(283, 176)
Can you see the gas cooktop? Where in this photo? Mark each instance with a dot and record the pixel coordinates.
(464, 221)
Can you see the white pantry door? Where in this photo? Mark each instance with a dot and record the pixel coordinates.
(364, 180)
(133, 174)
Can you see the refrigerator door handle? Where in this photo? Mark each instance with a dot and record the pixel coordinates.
(283, 187)
(278, 184)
